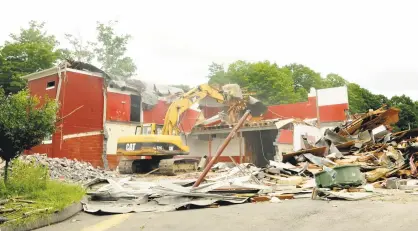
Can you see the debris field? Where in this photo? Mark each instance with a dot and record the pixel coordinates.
(353, 161)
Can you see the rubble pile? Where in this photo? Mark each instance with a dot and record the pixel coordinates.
(362, 153)
(350, 162)
(68, 170)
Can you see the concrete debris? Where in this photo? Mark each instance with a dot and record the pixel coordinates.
(275, 200)
(343, 194)
(365, 142)
(72, 171)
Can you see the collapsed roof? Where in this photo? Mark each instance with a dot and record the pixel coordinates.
(148, 91)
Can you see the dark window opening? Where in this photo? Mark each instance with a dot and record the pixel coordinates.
(135, 108)
(50, 84)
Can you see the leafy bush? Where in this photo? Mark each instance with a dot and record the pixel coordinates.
(24, 123)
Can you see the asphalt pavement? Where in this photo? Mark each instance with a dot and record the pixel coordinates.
(295, 215)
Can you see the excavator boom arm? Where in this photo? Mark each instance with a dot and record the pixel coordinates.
(179, 106)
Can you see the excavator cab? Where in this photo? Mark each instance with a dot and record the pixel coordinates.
(149, 129)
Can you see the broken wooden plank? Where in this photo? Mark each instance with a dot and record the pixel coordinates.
(286, 196)
(26, 201)
(7, 210)
(5, 201)
(36, 211)
(314, 151)
(260, 199)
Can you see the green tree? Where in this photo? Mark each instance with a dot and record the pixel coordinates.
(271, 84)
(24, 123)
(355, 99)
(334, 80)
(185, 88)
(361, 99)
(29, 51)
(304, 77)
(111, 49)
(82, 51)
(217, 74)
(408, 117)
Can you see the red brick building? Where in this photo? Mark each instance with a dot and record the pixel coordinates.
(94, 114)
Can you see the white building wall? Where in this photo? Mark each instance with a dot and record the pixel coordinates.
(313, 134)
(114, 130)
(332, 96)
(283, 148)
(199, 148)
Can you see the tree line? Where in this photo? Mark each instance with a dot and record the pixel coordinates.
(274, 84)
(33, 49)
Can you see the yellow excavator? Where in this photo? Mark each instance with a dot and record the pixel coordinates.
(154, 145)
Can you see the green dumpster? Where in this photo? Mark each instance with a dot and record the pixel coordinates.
(346, 176)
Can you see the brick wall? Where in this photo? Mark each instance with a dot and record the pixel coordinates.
(42, 149)
(88, 148)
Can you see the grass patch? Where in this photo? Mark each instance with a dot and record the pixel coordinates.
(30, 182)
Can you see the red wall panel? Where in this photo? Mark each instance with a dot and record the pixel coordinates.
(285, 137)
(156, 114)
(333, 113)
(82, 90)
(301, 110)
(305, 110)
(118, 107)
(188, 119)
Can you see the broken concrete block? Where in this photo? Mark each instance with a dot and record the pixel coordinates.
(395, 183)
(409, 185)
(275, 200)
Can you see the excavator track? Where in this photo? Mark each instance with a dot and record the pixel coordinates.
(168, 167)
(171, 167)
(126, 166)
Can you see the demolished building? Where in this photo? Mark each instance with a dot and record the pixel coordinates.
(281, 128)
(96, 110)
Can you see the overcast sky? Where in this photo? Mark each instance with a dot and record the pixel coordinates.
(373, 43)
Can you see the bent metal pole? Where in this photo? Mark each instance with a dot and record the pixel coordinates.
(221, 148)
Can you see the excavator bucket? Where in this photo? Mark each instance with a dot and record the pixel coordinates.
(256, 107)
